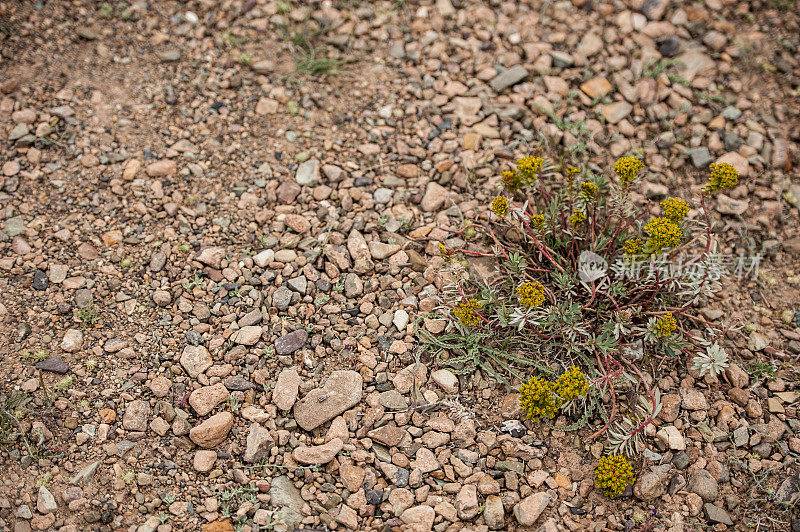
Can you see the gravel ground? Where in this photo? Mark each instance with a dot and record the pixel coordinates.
(219, 225)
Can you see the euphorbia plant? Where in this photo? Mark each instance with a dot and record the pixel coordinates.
(585, 280)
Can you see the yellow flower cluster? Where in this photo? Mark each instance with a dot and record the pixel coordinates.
(526, 172)
(466, 312)
(537, 220)
(531, 293)
(572, 384)
(573, 170)
(723, 175)
(628, 168)
(536, 398)
(632, 246)
(578, 217)
(528, 167)
(511, 180)
(543, 398)
(588, 190)
(664, 233)
(666, 325)
(674, 209)
(613, 474)
(500, 206)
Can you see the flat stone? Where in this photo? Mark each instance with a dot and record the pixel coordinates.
(162, 168)
(510, 77)
(715, 514)
(701, 157)
(289, 343)
(45, 502)
(446, 379)
(53, 365)
(204, 460)
(419, 517)
(652, 484)
(341, 391)
(195, 359)
(616, 112)
(467, 502)
(435, 197)
(211, 256)
(284, 394)
(136, 416)
(249, 335)
(318, 454)
(596, 87)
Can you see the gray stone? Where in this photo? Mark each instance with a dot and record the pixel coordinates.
(85, 475)
(285, 497)
(307, 173)
(702, 483)
(652, 484)
(195, 359)
(715, 514)
(510, 77)
(282, 298)
(701, 157)
(45, 502)
(54, 365)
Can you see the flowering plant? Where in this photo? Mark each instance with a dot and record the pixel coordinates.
(584, 284)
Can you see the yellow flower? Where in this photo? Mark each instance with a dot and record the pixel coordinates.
(723, 175)
(664, 233)
(572, 384)
(675, 209)
(528, 168)
(500, 206)
(666, 325)
(466, 312)
(588, 190)
(578, 217)
(537, 220)
(613, 474)
(572, 170)
(536, 398)
(511, 180)
(531, 294)
(632, 246)
(628, 168)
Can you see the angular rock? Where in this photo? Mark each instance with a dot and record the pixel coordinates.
(284, 394)
(204, 400)
(510, 77)
(318, 454)
(528, 510)
(249, 335)
(136, 416)
(259, 443)
(341, 391)
(211, 256)
(212, 431)
(307, 173)
(195, 359)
